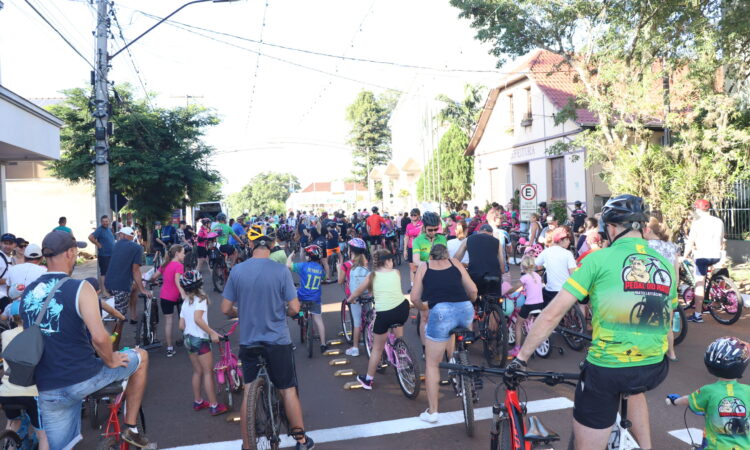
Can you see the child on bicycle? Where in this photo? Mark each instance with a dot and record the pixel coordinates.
(332, 249)
(311, 274)
(351, 275)
(198, 338)
(531, 283)
(11, 394)
(723, 403)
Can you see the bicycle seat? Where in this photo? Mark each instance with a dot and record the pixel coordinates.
(254, 350)
(108, 390)
(537, 432)
(463, 333)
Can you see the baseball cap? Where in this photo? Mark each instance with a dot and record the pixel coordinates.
(485, 227)
(701, 204)
(21, 241)
(59, 241)
(8, 237)
(32, 251)
(127, 231)
(558, 234)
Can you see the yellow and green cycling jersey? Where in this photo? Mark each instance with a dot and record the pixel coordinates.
(724, 405)
(632, 291)
(422, 245)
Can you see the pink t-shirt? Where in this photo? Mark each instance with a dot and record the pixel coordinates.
(532, 285)
(169, 289)
(412, 231)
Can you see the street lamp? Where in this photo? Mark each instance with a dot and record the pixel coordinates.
(101, 99)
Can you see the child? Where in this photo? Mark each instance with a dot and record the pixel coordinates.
(311, 274)
(532, 286)
(332, 248)
(11, 394)
(351, 274)
(198, 338)
(725, 402)
(171, 293)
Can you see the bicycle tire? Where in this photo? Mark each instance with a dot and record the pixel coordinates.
(227, 392)
(258, 414)
(495, 341)
(141, 332)
(217, 277)
(724, 300)
(369, 335)
(467, 394)
(419, 324)
(407, 369)
(347, 322)
(574, 320)
(302, 330)
(109, 443)
(504, 439)
(680, 335)
(94, 409)
(309, 337)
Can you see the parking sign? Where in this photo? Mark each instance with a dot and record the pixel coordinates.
(528, 200)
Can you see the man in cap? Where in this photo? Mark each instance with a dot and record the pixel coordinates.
(104, 240)
(707, 245)
(74, 336)
(7, 245)
(21, 275)
(21, 244)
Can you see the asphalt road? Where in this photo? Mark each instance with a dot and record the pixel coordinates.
(171, 422)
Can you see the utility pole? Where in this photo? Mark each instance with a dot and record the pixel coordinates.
(101, 111)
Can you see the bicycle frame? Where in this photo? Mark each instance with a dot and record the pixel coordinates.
(113, 429)
(227, 362)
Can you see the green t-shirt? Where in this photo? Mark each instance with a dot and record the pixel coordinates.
(63, 228)
(226, 231)
(724, 405)
(279, 256)
(633, 291)
(422, 245)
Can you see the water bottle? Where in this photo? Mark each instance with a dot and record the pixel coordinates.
(676, 325)
(114, 335)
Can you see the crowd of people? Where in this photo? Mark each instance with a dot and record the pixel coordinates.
(594, 260)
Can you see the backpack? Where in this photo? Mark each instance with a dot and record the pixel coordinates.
(25, 351)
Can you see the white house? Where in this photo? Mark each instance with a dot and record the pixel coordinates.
(328, 196)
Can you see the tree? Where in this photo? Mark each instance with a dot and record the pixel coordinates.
(266, 192)
(157, 156)
(455, 171)
(464, 113)
(370, 135)
(620, 54)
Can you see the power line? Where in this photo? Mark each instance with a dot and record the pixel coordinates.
(257, 67)
(59, 33)
(132, 59)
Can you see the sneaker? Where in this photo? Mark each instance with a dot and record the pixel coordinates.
(308, 445)
(429, 417)
(218, 409)
(202, 405)
(323, 348)
(171, 352)
(367, 384)
(514, 352)
(136, 439)
(696, 318)
(353, 351)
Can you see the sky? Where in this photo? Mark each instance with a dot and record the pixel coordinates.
(283, 116)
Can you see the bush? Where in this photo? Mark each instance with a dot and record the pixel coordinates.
(559, 209)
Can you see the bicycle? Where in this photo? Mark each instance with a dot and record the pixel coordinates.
(110, 438)
(490, 322)
(397, 354)
(722, 297)
(265, 411)
(391, 244)
(508, 429)
(465, 386)
(367, 317)
(227, 370)
(23, 439)
(145, 331)
(217, 260)
(307, 333)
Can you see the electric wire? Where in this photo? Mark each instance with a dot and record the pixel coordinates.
(59, 34)
(130, 56)
(257, 67)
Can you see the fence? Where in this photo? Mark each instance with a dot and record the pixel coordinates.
(736, 212)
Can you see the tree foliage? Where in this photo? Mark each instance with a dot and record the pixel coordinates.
(619, 53)
(449, 174)
(464, 113)
(266, 192)
(370, 135)
(157, 156)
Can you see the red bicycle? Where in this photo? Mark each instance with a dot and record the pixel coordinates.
(227, 370)
(508, 430)
(110, 439)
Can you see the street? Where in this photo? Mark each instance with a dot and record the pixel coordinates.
(383, 417)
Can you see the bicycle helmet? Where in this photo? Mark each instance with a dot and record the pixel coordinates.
(205, 220)
(357, 245)
(191, 280)
(261, 235)
(626, 210)
(533, 250)
(727, 357)
(221, 217)
(313, 252)
(375, 209)
(430, 219)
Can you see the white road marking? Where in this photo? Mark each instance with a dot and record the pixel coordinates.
(685, 435)
(391, 426)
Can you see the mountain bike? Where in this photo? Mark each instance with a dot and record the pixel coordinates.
(217, 260)
(110, 438)
(366, 316)
(307, 333)
(489, 320)
(227, 369)
(145, 331)
(397, 354)
(508, 430)
(465, 386)
(265, 410)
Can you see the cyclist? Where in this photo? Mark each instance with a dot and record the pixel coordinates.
(239, 230)
(224, 232)
(373, 229)
(706, 243)
(311, 274)
(579, 216)
(351, 274)
(157, 244)
(413, 230)
(423, 243)
(332, 249)
(264, 323)
(723, 403)
(558, 263)
(626, 357)
(202, 241)
(486, 257)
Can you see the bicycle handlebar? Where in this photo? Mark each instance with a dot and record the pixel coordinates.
(546, 377)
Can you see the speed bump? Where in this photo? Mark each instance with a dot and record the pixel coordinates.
(338, 362)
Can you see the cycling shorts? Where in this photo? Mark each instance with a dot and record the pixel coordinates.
(526, 309)
(376, 240)
(482, 286)
(280, 360)
(384, 319)
(597, 397)
(331, 251)
(315, 307)
(168, 306)
(702, 265)
(202, 252)
(227, 248)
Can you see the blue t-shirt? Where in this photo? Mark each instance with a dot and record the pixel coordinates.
(261, 288)
(333, 242)
(168, 234)
(106, 238)
(311, 274)
(239, 230)
(120, 271)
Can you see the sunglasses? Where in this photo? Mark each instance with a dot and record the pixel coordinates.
(431, 230)
(415, 215)
(22, 246)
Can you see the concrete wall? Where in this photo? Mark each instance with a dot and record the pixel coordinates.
(738, 251)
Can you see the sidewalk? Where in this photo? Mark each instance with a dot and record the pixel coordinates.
(89, 269)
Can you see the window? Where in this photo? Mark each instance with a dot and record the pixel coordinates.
(528, 101)
(557, 172)
(511, 114)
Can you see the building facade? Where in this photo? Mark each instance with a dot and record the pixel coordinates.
(328, 196)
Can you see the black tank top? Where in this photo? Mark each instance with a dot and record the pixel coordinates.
(483, 249)
(441, 286)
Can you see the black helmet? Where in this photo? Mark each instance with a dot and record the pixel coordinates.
(727, 357)
(430, 219)
(627, 210)
(221, 217)
(375, 209)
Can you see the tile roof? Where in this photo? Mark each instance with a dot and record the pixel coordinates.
(325, 186)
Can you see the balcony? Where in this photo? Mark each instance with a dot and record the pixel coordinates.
(527, 120)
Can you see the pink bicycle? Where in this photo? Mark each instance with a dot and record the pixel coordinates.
(227, 369)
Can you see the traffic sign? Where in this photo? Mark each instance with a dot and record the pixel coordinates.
(528, 202)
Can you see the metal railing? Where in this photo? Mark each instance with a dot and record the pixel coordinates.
(735, 212)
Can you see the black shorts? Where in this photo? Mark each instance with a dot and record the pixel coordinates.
(27, 403)
(375, 240)
(280, 364)
(202, 252)
(103, 262)
(526, 309)
(168, 306)
(484, 287)
(548, 295)
(410, 255)
(384, 319)
(597, 397)
(227, 248)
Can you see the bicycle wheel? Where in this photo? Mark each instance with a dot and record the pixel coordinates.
(724, 300)
(109, 443)
(466, 387)
(141, 332)
(369, 335)
(680, 325)
(259, 416)
(302, 328)
(511, 331)
(544, 349)
(496, 337)
(347, 322)
(574, 320)
(503, 440)
(407, 369)
(309, 336)
(217, 277)
(95, 410)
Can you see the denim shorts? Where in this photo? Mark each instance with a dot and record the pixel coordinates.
(701, 265)
(196, 345)
(446, 316)
(356, 310)
(61, 408)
